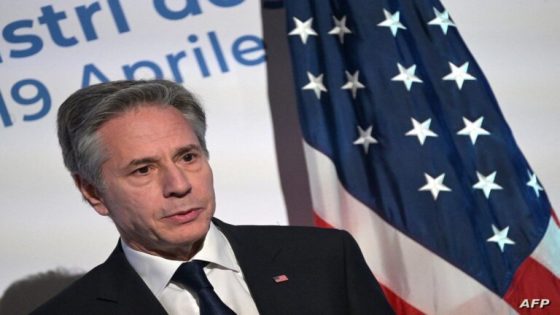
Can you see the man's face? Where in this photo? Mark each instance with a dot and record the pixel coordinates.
(158, 183)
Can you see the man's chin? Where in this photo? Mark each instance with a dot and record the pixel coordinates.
(188, 241)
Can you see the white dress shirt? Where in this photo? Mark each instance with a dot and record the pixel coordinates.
(223, 272)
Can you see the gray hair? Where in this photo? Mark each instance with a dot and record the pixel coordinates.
(85, 111)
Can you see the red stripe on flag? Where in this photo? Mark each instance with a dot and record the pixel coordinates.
(320, 222)
(532, 285)
(400, 306)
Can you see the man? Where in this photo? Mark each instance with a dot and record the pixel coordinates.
(137, 153)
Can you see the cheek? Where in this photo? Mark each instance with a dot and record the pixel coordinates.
(133, 204)
(207, 183)
(209, 179)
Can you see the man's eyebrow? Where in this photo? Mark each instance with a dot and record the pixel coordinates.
(182, 150)
(151, 160)
(142, 161)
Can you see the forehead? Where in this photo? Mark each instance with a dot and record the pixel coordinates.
(146, 129)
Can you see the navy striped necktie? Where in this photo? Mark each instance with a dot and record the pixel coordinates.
(191, 274)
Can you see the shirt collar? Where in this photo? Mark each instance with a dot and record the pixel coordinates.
(157, 271)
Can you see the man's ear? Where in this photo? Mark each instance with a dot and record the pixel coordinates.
(91, 194)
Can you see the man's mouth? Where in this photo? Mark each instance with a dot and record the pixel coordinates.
(182, 217)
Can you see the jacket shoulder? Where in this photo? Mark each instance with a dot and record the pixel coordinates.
(110, 288)
(80, 295)
(292, 238)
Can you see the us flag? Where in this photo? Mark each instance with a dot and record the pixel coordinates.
(407, 149)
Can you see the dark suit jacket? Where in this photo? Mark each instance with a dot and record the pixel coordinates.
(326, 274)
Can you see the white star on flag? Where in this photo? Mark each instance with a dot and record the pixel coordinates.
(500, 237)
(434, 185)
(315, 84)
(353, 84)
(392, 21)
(442, 19)
(421, 130)
(340, 28)
(534, 183)
(365, 138)
(486, 183)
(459, 74)
(473, 129)
(303, 29)
(406, 76)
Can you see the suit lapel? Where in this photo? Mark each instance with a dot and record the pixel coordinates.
(259, 265)
(123, 287)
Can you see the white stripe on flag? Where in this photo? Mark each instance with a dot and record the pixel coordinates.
(548, 251)
(421, 278)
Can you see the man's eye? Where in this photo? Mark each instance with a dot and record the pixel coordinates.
(189, 157)
(142, 170)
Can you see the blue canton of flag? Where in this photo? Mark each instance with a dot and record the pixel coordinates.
(425, 171)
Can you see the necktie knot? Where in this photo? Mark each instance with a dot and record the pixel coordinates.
(191, 274)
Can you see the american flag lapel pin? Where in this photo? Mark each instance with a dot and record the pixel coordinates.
(280, 278)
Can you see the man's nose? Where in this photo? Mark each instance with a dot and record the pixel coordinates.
(176, 182)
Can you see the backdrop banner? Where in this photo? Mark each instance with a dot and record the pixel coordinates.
(49, 49)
